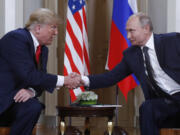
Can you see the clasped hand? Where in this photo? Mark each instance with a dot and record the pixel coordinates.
(73, 81)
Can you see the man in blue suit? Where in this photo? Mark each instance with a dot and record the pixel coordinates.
(23, 75)
(155, 61)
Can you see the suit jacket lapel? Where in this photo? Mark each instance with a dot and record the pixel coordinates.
(139, 60)
(43, 58)
(159, 50)
(31, 44)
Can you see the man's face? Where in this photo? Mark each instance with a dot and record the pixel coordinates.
(137, 34)
(46, 33)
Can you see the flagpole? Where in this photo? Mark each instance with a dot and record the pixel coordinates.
(117, 103)
(70, 121)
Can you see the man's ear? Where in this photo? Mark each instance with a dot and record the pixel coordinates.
(37, 28)
(146, 28)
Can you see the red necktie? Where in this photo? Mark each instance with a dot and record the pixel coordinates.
(38, 53)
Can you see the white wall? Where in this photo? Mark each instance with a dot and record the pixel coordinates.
(2, 17)
(10, 11)
(19, 13)
(171, 13)
(29, 6)
(173, 19)
(165, 15)
(157, 10)
(177, 15)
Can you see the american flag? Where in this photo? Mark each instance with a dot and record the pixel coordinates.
(76, 56)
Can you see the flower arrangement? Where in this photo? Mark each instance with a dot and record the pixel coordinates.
(88, 98)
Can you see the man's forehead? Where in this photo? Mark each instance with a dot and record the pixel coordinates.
(132, 21)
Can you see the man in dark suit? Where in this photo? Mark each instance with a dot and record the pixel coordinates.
(155, 61)
(23, 77)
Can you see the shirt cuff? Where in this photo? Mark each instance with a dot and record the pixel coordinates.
(60, 81)
(85, 80)
(34, 92)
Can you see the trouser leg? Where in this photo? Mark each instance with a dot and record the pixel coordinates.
(147, 120)
(153, 113)
(26, 116)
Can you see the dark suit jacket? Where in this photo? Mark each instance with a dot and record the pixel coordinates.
(18, 68)
(167, 48)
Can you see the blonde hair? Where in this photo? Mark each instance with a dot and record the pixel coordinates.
(42, 16)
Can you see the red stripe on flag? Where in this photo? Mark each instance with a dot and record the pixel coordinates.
(73, 96)
(78, 19)
(117, 46)
(68, 54)
(82, 88)
(65, 71)
(75, 42)
(86, 57)
(125, 87)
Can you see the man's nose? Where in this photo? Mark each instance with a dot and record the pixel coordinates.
(56, 31)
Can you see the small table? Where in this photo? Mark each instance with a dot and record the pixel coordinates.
(86, 111)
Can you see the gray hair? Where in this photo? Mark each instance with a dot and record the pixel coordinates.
(42, 16)
(144, 20)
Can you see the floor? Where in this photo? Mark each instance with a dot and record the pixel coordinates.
(54, 131)
(47, 131)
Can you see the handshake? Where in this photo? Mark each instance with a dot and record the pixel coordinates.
(73, 81)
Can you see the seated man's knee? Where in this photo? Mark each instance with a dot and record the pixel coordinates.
(145, 107)
(35, 106)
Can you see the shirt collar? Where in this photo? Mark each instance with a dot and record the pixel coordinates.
(150, 42)
(35, 41)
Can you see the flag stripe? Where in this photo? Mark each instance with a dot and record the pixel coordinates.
(77, 17)
(84, 18)
(72, 64)
(116, 38)
(121, 19)
(72, 94)
(86, 60)
(133, 5)
(65, 71)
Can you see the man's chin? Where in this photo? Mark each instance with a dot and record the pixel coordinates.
(50, 43)
(136, 44)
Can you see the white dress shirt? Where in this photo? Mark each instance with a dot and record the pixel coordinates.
(163, 80)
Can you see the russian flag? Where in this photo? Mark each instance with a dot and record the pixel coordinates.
(122, 10)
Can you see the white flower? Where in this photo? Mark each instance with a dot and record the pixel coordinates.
(87, 95)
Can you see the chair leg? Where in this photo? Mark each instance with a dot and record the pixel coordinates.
(6, 131)
(34, 131)
(170, 131)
